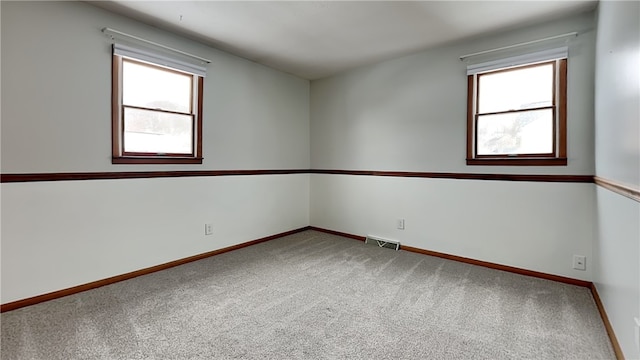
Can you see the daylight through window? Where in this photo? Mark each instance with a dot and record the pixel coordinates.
(157, 113)
(517, 115)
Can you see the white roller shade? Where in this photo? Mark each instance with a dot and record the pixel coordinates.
(536, 57)
(159, 59)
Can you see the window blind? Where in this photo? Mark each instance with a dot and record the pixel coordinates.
(530, 58)
(159, 59)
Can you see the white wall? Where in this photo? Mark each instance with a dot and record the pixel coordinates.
(56, 101)
(617, 90)
(56, 82)
(57, 235)
(409, 114)
(536, 226)
(617, 265)
(617, 140)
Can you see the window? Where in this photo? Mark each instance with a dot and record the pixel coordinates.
(517, 114)
(157, 109)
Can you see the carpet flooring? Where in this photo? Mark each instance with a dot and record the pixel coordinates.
(313, 295)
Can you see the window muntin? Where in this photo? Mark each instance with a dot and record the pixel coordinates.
(517, 116)
(157, 114)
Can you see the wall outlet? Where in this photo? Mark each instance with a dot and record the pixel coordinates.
(579, 262)
(400, 224)
(208, 229)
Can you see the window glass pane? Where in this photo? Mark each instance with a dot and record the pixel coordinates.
(516, 89)
(527, 132)
(150, 131)
(156, 88)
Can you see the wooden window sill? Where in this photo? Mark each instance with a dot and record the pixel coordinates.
(156, 160)
(515, 161)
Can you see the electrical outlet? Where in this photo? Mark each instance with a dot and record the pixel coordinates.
(401, 224)
(208, 229)
(579, 262)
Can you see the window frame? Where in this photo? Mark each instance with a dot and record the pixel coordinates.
(558, 157)
(119, 156)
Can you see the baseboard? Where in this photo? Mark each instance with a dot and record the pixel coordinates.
(491, 265)
(607, 325)
(511, 269)
(333, 232)
(96, 284)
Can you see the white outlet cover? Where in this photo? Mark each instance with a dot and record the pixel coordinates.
(579, 262)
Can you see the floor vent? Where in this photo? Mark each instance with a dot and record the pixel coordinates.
(385, 243)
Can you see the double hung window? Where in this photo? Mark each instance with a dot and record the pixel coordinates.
(517, 110)
(157, 109)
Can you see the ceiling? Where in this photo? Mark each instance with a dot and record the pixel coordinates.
(315, 39)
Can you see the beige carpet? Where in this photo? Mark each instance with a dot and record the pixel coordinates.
(314, 296)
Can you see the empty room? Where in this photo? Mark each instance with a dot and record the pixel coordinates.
(320, 180)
